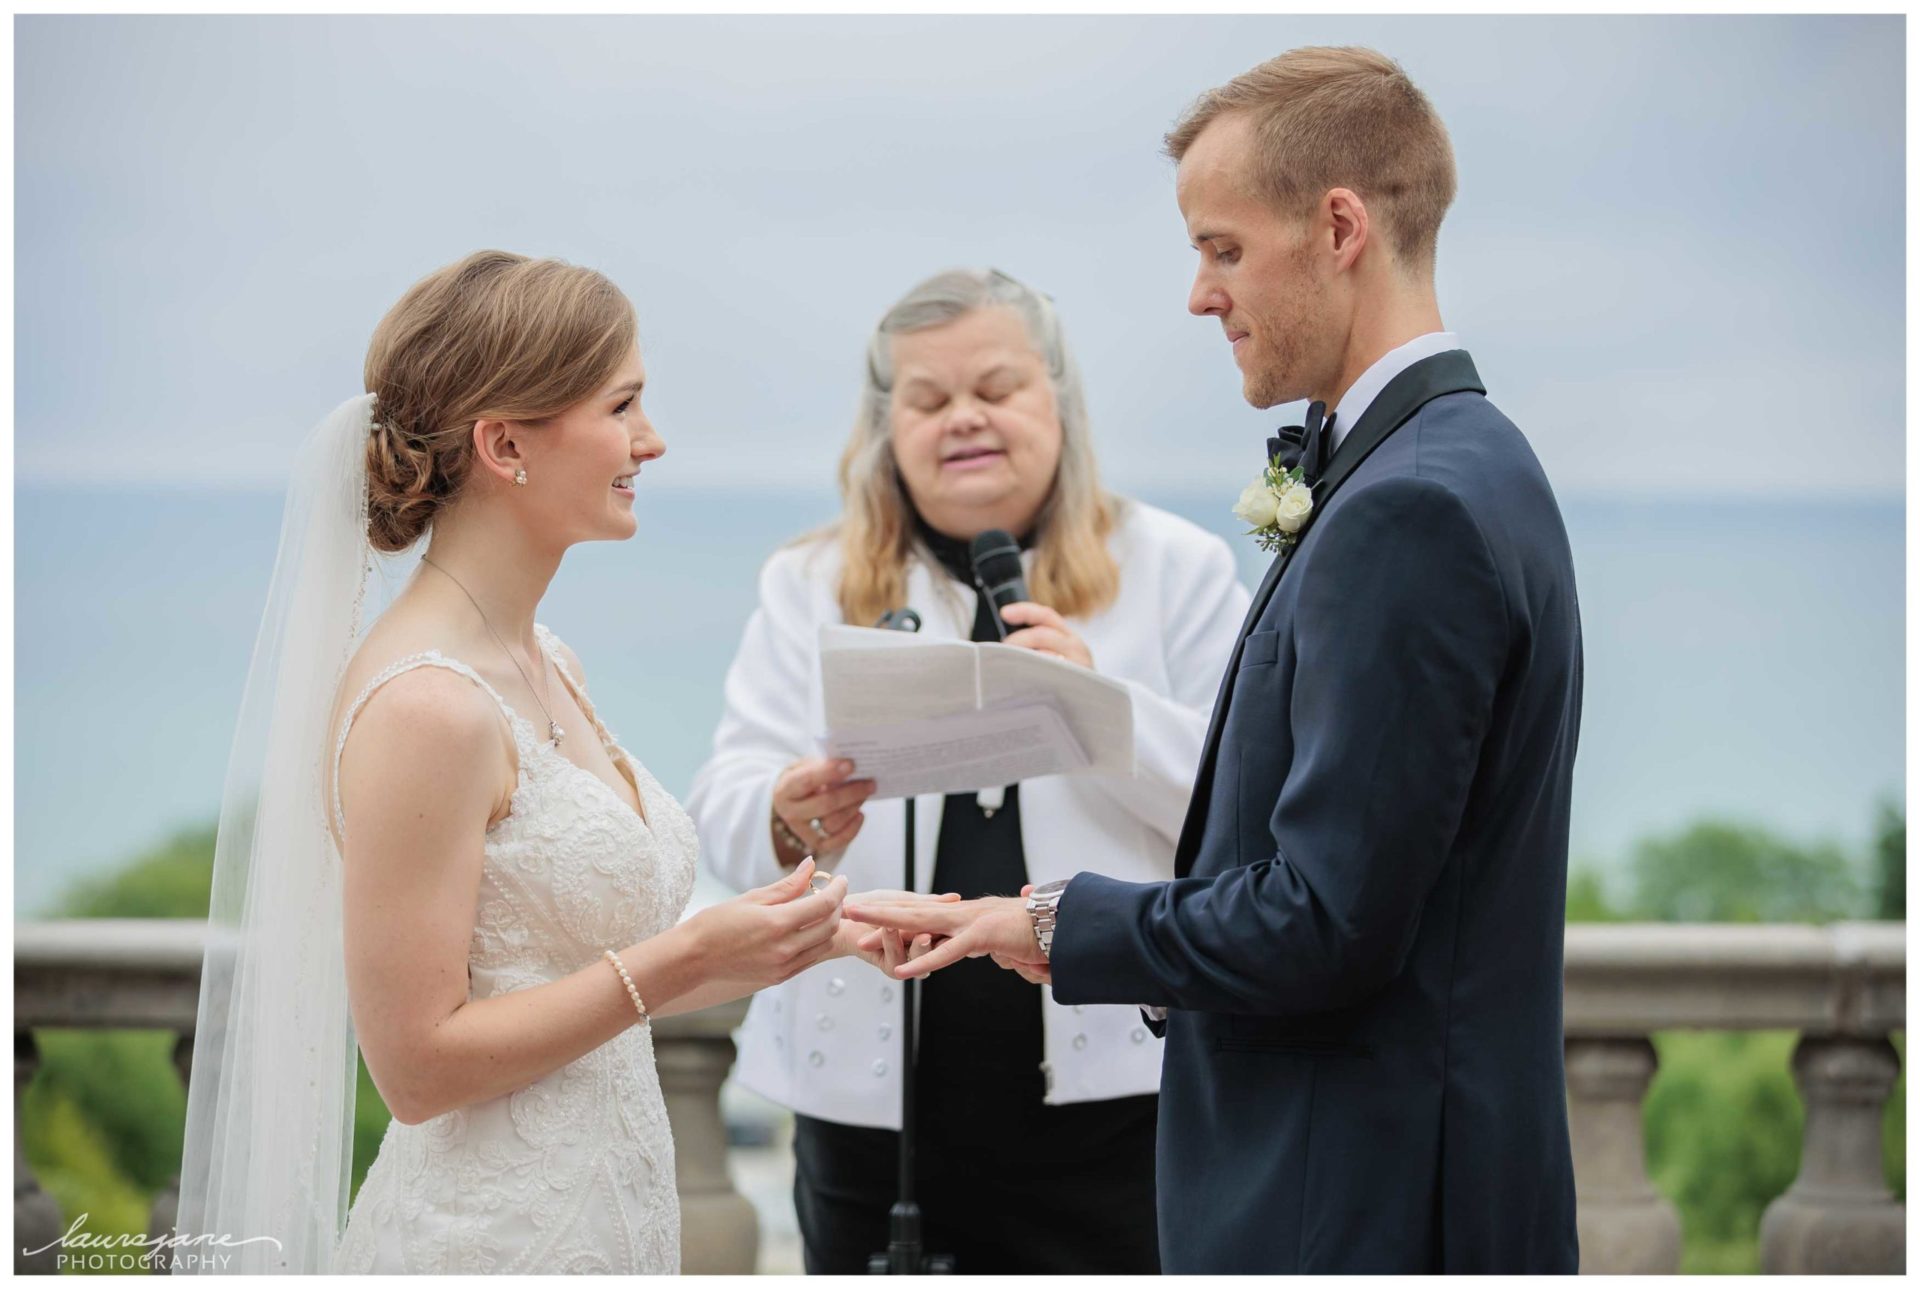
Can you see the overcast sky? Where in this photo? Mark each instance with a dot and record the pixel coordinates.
(1677, 254)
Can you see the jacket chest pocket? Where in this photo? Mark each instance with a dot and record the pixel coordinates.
(1262, 649)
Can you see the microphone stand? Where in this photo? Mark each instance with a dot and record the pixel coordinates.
(906, 1253)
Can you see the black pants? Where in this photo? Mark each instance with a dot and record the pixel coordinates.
(995, 1194)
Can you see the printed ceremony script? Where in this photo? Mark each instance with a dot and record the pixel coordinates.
(936, 716)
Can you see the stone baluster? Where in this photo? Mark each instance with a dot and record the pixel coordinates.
(36, 1218)
(719, 1230)
(1625, 1225)
(1839, 1216)
(166, 1205)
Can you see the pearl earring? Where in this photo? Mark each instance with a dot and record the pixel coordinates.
(519, 478)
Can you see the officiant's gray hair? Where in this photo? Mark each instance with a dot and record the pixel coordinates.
(1072, 571)
(1340, 116)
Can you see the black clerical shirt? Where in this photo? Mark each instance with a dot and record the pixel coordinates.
(974, 1015)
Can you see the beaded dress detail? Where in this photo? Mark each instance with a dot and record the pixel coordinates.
(575, 1172)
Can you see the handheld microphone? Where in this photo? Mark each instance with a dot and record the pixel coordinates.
(997, 572)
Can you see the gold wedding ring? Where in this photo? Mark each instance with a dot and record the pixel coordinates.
(819, 881)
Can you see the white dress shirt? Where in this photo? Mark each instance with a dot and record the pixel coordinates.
(1359, 397)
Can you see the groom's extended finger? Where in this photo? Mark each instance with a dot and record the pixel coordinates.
(928, 915)
(903, 897)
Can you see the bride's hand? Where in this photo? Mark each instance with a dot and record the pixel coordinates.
(772, 933)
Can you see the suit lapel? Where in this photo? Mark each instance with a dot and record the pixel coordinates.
(1451, 372)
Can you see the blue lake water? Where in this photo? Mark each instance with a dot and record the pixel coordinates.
(1742, 661)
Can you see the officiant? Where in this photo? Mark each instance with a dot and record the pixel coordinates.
(1036, 1121)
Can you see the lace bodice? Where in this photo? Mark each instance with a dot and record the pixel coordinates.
(574, 1173)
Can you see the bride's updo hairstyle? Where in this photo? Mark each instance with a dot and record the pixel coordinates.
(497, 336)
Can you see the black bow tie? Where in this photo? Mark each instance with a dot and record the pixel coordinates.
(1306, 446)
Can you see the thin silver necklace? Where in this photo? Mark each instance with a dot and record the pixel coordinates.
(553, 726)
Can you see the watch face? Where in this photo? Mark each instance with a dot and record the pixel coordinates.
(1052, 888)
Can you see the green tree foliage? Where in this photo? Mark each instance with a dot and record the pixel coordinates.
(1890, 864)
(76, 1162)
(1723, 1126)
(1587, 899)
(173, 880)
(1724, 872)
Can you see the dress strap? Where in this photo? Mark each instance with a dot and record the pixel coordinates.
(429, 658)
(551, 644)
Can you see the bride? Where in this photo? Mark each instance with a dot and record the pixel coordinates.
(430, 843)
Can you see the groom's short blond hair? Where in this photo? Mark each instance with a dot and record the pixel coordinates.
(1340, 117)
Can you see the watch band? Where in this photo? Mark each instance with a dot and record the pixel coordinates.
(1043, 906)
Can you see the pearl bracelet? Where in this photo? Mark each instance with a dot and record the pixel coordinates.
(627, 980)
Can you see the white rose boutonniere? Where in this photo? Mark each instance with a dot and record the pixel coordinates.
(1277, 504)
(1296, 503)
(1257, 505)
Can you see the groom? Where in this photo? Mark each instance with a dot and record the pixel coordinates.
(1360, 955)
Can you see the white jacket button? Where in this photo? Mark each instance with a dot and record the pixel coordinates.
(886, 1032)
(815, 1059)
(1139, 1035)
(1079, 1042)
(823, 1022)
(836, 987)
(879, 1069)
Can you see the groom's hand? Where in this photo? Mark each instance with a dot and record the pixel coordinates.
(886, 948)
(999, 926)
(1036, 972)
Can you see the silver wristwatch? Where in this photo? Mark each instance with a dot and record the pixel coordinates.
(1043, 905)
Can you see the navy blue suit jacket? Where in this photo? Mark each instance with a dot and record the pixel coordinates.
(1363, 950)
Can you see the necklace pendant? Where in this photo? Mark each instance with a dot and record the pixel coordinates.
(554, 729)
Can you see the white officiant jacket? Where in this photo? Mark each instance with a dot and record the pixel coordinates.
(827, 1042)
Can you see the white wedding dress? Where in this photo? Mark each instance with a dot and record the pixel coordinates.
(573, 1173)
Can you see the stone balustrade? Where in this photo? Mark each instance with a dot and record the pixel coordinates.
(1843, 988)
(145, 974)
